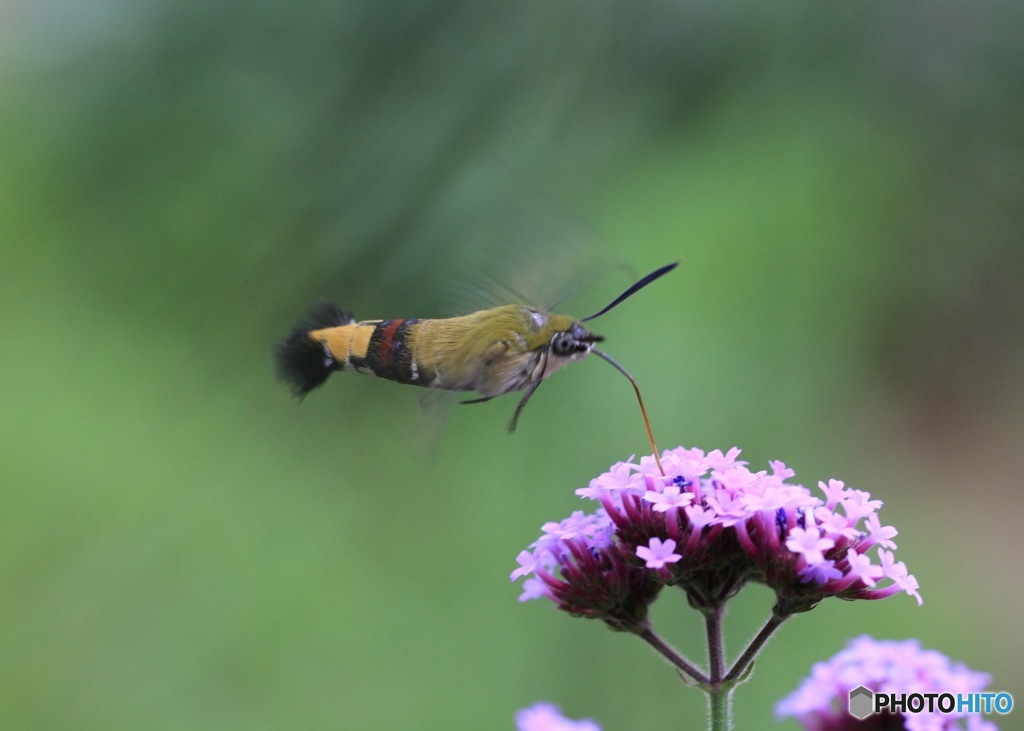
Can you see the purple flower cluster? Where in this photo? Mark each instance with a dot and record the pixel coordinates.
(580, 566)
(883, 666)
(547, 717)
(709, 525)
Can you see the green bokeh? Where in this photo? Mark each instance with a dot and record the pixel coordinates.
(184, 547)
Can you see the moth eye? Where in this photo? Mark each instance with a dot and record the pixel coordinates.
(563, 345)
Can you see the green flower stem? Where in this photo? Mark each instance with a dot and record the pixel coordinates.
(720, 709)
(718, 689)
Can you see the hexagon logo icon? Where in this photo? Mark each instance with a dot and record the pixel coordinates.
(862, 702)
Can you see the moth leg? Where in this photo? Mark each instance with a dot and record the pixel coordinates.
(522, 403)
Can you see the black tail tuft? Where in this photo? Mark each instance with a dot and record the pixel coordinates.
(302, 362)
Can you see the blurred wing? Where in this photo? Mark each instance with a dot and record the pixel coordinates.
(532, 250)
(560, 278)
(479, 289)
(435, 410)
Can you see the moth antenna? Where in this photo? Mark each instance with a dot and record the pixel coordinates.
(639, 398)
(634, 289)
(586, 283)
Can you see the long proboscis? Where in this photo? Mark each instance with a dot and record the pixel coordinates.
(633, 290)
(639, 398)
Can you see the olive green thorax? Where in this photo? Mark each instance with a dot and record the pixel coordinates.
(501, 349)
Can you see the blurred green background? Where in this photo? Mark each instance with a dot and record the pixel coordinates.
(185, 547)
